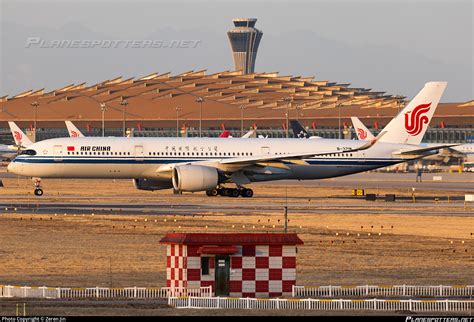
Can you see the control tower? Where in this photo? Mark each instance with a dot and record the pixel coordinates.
(244, 40)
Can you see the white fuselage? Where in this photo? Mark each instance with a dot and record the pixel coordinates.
(138, 157)
(466, 149)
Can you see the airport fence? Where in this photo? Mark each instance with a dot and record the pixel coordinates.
(383, 290)
(322, 304)
(102, 292)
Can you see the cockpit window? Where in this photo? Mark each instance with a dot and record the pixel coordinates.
(28, 152)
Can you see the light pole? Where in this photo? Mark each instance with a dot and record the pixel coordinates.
(400, 100)
(288, 102)
(124, 103)
(339, 119)
(177, 120)
(200, 100)
(242, 108)
(103, 108)
(35, 104)
(298, 107)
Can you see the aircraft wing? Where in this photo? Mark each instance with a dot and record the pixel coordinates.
(265, 160)
(288, 157)
(424, 149)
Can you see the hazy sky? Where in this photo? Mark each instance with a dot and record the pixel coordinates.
(392, 46)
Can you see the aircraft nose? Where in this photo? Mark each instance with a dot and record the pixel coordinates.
(11, 167)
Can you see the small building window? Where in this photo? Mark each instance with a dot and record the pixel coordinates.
(205, 265)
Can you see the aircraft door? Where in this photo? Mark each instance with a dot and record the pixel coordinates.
(139, 152)
(265, 150)
(58, 153)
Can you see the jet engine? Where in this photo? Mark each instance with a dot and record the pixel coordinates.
(152, 184)
(195, 178)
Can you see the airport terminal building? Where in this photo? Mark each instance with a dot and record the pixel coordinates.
(163, 104)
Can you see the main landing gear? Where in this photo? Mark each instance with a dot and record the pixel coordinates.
(38, 190)
(230, 192)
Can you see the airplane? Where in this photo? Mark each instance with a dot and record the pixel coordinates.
(300, 132)
(361, 130)
(73, 131)
(205, 164)
(363, 133)
(226, 134)
(467, 150)
(21, 142)
(6, 151)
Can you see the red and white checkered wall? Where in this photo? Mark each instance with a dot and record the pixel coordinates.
(255, 271)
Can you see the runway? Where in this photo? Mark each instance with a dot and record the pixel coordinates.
(380, 180)
(309, 207)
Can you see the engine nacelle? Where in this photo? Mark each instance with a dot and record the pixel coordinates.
(152, 184)
(195, 178)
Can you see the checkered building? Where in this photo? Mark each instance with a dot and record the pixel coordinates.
(237, 265)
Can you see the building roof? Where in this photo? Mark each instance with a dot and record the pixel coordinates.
(232, 239)
(152, 101)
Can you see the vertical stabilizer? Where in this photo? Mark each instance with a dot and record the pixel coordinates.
(410, 125)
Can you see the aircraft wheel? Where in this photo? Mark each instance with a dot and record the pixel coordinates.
(223, 192)
(212, 193)
(247, 193)
(234, 193)
(38, 192)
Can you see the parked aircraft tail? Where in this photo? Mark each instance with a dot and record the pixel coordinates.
(73, 130)
(21, 140)
(361, 130)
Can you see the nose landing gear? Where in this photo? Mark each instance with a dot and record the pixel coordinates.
(38, 190)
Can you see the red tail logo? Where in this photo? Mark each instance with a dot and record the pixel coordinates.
(74, 134)
(224, 134)
(362, 134)
(415, 119)
(17, 135)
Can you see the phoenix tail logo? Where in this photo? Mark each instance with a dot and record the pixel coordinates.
(74, 134)
(362, 134)
(17, 135)
(415, 119)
